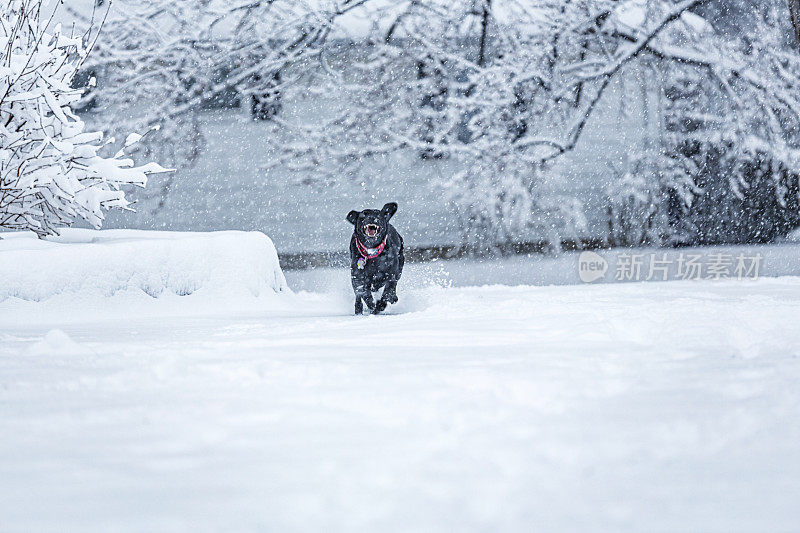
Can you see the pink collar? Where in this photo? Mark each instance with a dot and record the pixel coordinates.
(365, 252)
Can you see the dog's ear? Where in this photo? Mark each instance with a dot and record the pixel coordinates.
(389, 210)
(352, 217)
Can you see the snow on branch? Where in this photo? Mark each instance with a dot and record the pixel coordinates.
(51, 169)
(606, 73)
(495, 90)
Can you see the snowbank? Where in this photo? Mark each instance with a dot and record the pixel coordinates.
(225, 264)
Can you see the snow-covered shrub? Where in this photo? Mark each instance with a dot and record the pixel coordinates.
(51, 170)
(635, 206)
(646, 202)
(707, 194)
(736, 139)
(740, 197)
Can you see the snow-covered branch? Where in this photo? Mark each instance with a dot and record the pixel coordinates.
(51, 169)
(494, 91)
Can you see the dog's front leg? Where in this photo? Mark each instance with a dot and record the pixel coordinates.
(389, 296)
(367, 299)
(361, 289)
(390, 292)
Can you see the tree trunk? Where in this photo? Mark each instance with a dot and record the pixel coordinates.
(485, 32)
(794, 11)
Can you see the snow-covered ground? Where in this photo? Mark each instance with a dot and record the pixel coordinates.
(659, 406)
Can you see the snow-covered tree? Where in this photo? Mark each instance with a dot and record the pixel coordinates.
(161, 62)
(503, 89)
(489, 93)
(725, 170)
(51, 169)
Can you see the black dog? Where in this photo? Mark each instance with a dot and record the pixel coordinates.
(376, 257)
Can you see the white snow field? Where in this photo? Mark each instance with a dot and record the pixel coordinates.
(668, 406)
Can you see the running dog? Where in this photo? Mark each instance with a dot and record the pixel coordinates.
(376, 257)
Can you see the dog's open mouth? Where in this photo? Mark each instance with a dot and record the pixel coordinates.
(371, 230)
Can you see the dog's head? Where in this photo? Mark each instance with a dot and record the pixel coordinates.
(371, 225)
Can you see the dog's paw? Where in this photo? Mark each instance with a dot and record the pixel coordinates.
(379, 306)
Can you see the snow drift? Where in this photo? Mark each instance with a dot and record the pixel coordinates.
(229, 264)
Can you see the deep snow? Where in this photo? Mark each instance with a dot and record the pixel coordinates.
(99, 264)
(615, 407)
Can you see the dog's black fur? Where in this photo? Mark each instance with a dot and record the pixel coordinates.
(382, 271)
